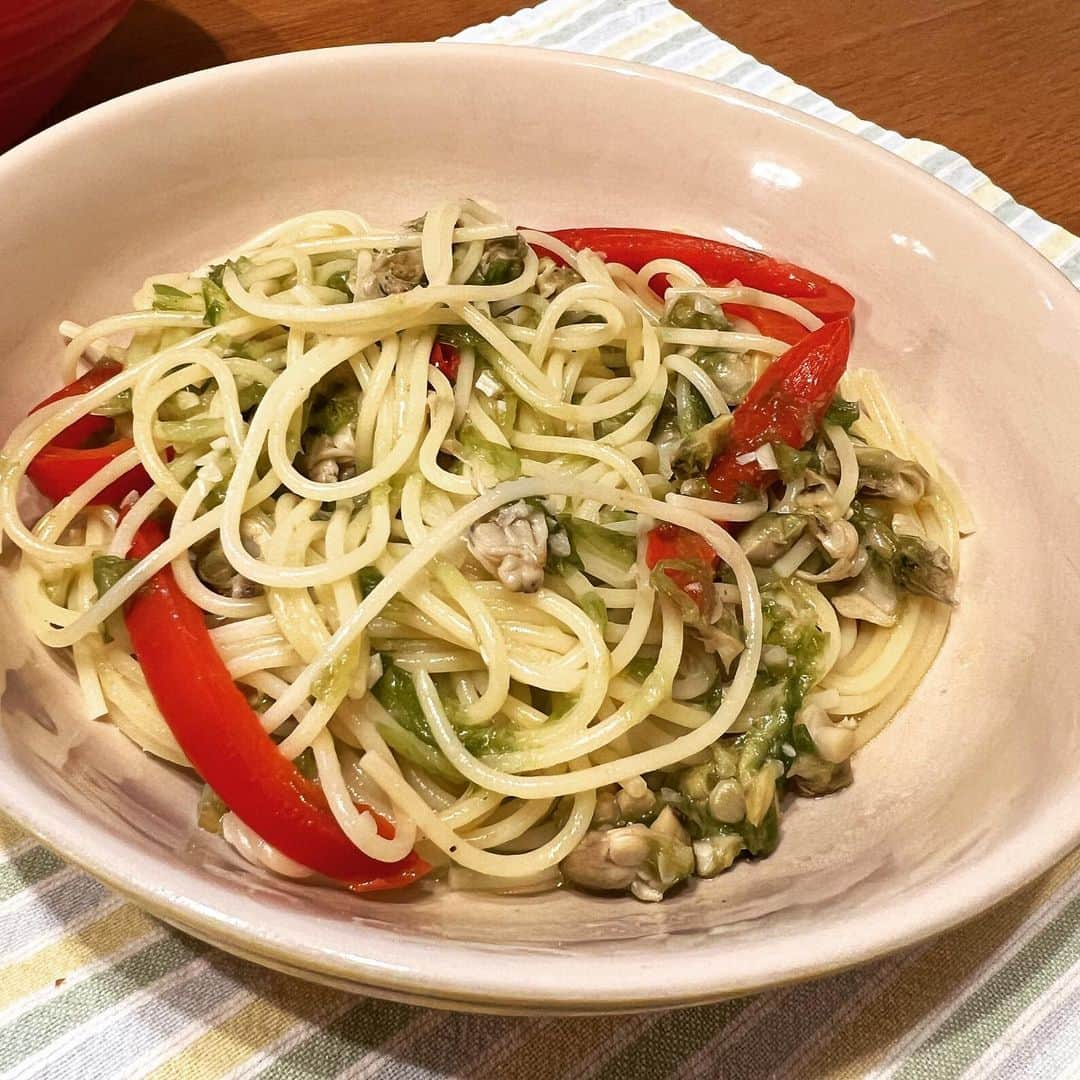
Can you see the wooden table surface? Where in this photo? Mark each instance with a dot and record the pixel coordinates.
(992, 79)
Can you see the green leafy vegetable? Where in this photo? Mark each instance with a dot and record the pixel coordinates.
(239, 266)
(395, 692)
(462, 337)
(690, 409)
(485, 739)
(367, 578)
(640, 668)
(340, 281)
(842, 413)
(335, 678)
(170, 298)
(696, 312)
(332, 414)
(502, 261)
(688, 584)
(118, 406)
(108, 570)
(792, 463)
(561, 556)
(490, 463)
(811, 775)
(732, 372)
(665, 434)
(595, 608)
(915, 564)
(714, 696)
(802, 740)
(618, 548)
(249, 396)
(769, 536)
(406, 745)
(215, 301)
(762, 839)
(503, 409)
(694, 454)
(605, 427)
(189, 432)
(757, 759)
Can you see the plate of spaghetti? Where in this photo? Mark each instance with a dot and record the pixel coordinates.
(499, 578)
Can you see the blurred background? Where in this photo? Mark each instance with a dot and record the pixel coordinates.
(991, 79)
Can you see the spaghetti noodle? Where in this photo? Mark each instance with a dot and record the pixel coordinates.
(537, 557)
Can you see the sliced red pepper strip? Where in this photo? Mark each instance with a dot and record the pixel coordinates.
(667, 542)
(786, 405)
(718, 263)
(774, 324)
(224, 740)
(58, 471)
(445, 357)
(65, 462)
(86, 427)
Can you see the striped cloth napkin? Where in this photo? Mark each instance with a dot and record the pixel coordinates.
(91, 988)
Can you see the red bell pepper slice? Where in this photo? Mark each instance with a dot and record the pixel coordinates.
(66, 462)
(667, 543)
(718, 263)
(225, 741)
(57, 471)
(86, 427)
(786, 405)
(445, 357)
(774, 324)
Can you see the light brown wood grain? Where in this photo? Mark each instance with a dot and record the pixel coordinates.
(992, 79)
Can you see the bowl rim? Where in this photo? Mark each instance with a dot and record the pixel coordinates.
(460, 974)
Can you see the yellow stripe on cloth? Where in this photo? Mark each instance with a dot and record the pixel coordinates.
(10, 835)
(638, 39)
(62, 959)
(1056, 244)
(923, 985)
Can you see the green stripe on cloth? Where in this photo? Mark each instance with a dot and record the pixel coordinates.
(987, 1014)
(343, 1042)
(763, 1040)
(935, 976)
(1048, 1046)
(28, 868)
(667, 1040)
(46, 1023)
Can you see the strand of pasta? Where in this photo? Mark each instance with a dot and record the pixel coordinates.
(468, 854)
(306, 644)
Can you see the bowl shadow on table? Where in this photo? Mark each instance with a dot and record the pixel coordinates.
(154, 42)
(839, 1025)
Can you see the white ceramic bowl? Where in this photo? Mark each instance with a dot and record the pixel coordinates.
(970, 793)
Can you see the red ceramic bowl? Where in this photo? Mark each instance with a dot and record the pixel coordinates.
(44, 44)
